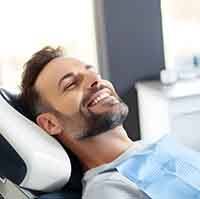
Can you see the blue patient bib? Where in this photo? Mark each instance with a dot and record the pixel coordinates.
(165, 170)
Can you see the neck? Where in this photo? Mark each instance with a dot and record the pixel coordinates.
(100, 149)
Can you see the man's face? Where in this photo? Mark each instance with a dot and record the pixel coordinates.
(86, 105)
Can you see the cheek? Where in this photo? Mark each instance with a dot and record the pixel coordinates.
(69, 105)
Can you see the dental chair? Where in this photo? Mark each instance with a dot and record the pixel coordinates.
(32, 163)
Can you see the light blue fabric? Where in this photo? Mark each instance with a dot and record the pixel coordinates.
(165, 170)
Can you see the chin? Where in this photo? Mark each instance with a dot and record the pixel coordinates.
(100, 123)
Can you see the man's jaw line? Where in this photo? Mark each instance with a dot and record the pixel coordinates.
(86, 137)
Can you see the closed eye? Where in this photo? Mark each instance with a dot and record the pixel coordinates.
(69, 86)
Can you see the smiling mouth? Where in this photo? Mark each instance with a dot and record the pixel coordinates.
(101, 96)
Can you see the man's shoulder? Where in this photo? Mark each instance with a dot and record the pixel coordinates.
(111, 184)
(106, 177)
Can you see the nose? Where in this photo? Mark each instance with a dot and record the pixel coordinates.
(94, 84)
(92, 80)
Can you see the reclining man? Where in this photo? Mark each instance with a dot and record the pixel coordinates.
(71, 102)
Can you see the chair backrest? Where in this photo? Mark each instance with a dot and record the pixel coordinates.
(29, 156)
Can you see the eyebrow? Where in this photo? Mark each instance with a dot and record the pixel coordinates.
(68, 75)
(89, 66)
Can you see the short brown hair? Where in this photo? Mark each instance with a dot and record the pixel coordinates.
(29, 97)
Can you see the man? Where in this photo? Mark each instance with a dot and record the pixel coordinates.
(71, 102)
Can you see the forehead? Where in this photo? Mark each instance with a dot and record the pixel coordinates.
(54, 70)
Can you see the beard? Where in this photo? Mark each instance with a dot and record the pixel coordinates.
(87, 123)
(99, 123)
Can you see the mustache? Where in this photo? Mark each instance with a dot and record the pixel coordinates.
(92, 91)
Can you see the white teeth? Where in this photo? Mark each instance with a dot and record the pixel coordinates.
(99, 98)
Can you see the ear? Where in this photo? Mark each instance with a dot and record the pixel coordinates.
(49, 123)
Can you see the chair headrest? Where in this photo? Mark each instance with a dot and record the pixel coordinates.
(31, 158)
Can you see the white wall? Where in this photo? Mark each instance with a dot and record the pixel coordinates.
(28, 25)
(181, 30)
